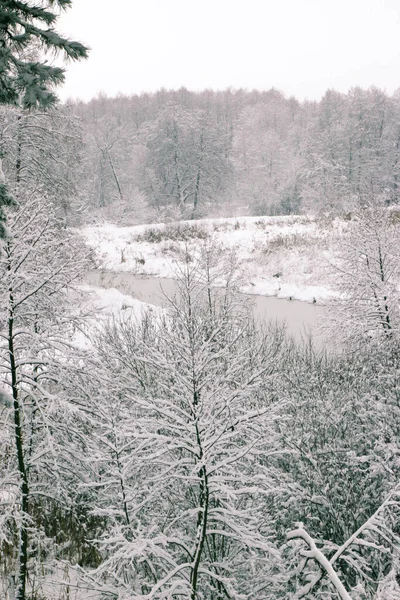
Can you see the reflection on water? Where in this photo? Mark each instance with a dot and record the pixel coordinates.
(301, 318)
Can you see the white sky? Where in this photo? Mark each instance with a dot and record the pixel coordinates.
(301, 47)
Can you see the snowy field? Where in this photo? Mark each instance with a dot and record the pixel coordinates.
(288, 257)
(106, 303)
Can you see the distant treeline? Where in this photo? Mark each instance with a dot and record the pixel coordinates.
(193, 154)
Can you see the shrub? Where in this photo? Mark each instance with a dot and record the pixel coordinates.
(285, 242)
(176, 231)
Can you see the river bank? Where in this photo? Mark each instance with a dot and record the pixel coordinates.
(287, 257)
(124, 290)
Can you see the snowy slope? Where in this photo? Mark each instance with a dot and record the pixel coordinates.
(287, 257)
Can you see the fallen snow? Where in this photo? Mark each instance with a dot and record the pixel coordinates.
(102, 305)
(288, 257)
(108, 303)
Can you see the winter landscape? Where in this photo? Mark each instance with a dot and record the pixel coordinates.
(199, 332)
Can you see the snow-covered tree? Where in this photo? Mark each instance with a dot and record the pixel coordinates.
(39, 264)
(186, 161)
(367, 274)
(266, 160)
(42, 154)
(377, 535)
(342, 427)
(184, 442)
(27, 80)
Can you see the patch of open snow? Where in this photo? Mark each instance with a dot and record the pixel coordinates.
(53, 581)
(108, 303)
(104, 304)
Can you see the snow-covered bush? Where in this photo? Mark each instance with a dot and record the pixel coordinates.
(184, 442)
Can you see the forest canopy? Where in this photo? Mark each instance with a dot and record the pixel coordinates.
(196, 154)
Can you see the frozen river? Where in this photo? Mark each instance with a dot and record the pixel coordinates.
(301, 318)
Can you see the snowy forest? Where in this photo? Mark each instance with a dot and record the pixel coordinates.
(192, 451)
(180, 154)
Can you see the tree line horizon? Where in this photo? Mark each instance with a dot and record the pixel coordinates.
(193, 154)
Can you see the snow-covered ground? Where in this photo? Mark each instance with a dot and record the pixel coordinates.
(101, 304)
(106, 303)
(288, 257)
(52, 582)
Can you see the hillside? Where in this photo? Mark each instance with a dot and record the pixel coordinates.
(288, 257)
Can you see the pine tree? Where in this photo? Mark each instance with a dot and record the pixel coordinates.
(29, 82)
(26, 31)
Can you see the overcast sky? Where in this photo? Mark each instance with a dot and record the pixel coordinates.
(301, 47)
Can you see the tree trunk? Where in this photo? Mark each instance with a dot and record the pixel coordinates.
(198, 178)
(18, 160)
(202, 517)
(23, 548)
(201, 531)
(115, 176)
